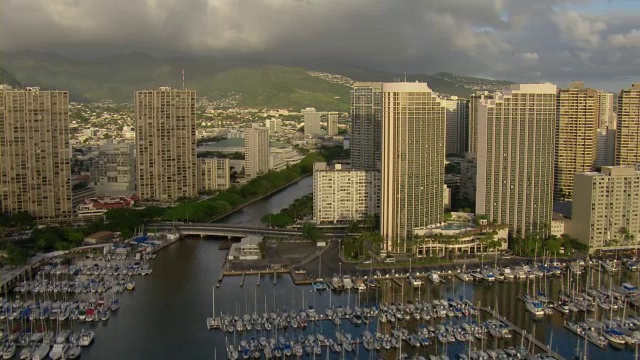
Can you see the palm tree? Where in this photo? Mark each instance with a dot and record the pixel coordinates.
(626, 235)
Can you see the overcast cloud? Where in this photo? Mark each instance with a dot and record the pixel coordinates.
(526, 40)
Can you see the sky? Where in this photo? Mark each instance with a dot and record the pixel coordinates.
(597, 41)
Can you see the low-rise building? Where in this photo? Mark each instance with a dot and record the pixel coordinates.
(247, 249)
(460, 235)
(446, 198)
(606, 208)
(213, 174)
(280, 158)
(342, 194)
(100, 237)
(557, 225)
(95, 207)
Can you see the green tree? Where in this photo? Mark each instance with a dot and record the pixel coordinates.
(553, 245)
(311, 232)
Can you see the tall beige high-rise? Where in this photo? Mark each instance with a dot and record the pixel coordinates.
(457, 121)
(515, 157)
(628, 127)
(166, 165)
(332, 123)
(35, 165)
(256, 151)
(413, 151)
(606, 115)
(474, 101)
(576, 136)
(366, 125)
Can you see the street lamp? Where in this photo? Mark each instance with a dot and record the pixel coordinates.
(340, 263)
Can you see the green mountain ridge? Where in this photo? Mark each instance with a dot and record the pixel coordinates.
(259, 85)
(8, 79)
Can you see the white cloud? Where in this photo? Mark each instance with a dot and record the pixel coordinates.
(628, 40)
(530, 56)
(579, 29)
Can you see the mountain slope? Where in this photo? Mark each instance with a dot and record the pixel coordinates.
(259, 86)
(7, 79)
(443, 83)
(117, 77)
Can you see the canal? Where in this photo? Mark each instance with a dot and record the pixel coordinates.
(164, 317)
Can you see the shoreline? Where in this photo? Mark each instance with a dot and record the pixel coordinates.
(267, 194)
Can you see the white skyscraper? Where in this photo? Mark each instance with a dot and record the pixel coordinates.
(256, 151)
(413, 151)
(311, 119)
(515, 157)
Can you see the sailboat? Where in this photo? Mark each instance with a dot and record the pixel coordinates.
(319, 284)
(214, 322)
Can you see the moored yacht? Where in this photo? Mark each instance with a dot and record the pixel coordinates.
(86, 338)
(319, 285)
(535, 307)
(434, 277)
(464, 276)
(488, 275)
(346, 282)
(508, 274)
(336, 282)
(614, 336)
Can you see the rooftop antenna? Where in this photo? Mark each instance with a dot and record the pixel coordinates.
(182, 78)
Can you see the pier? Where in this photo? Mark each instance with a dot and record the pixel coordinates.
(544, 347)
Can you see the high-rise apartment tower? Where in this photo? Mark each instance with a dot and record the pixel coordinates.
(413, 151)
(628, 127)
(256, 151)
(166, 165)
(366, 125)
(35, 165)
(515, 157)
(576, 136)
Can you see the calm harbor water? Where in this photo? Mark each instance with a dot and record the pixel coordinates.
(164, 318)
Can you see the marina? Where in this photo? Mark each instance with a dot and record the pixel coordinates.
(47, 311)
(164, 314)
